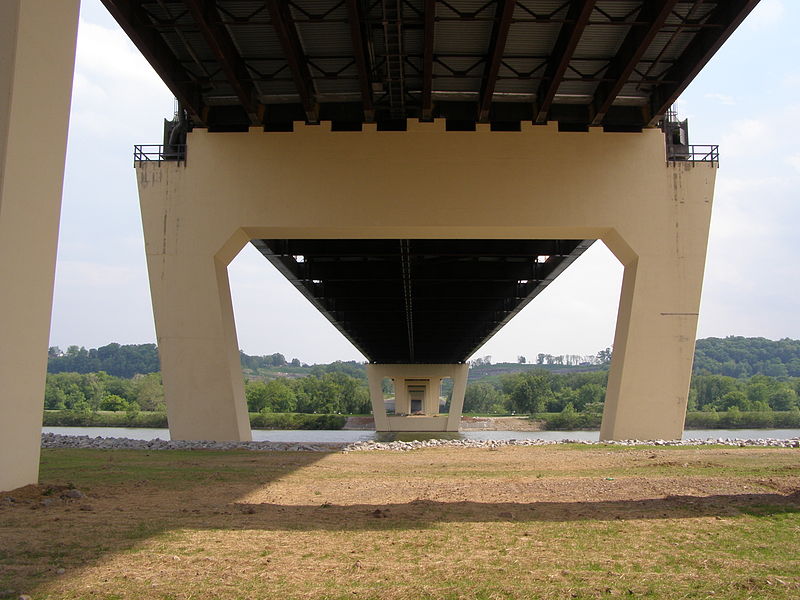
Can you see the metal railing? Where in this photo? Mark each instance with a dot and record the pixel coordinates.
(159, 153)
(694, 153)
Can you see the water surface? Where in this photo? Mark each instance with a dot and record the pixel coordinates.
(344, 435)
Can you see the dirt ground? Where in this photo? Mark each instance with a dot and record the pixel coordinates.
(500, 424)
(467, 423)
(515, 522)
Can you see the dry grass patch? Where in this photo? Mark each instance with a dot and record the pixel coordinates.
(547, 522)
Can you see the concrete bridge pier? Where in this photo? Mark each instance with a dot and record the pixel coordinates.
(412, 381)
(37, 55)
(426, 183)
(197, 344)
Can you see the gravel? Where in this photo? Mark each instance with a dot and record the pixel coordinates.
(54, 440)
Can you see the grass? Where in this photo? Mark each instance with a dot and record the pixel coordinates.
(547, 522)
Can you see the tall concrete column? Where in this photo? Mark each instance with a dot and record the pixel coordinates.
(197, 343)
(460, 374)
(37, 57)
(375, 380)
(648, 384)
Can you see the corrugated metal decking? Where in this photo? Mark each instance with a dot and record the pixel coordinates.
(615, 63)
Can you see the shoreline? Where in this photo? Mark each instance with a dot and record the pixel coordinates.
(55, 440)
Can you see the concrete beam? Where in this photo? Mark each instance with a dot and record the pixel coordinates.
(37, 56)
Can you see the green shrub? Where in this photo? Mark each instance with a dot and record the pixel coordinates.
(738, 419)
(267, 420)
(570, 419)
(72, 418)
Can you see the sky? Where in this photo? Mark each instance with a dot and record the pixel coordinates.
(747, 99)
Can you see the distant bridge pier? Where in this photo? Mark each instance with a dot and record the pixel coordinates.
(412, 381)
(424, 183)
(37, 54)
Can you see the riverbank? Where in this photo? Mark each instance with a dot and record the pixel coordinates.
(544, 522)
(591, 421)
(539, 422)
(142, 419)
(55, 440)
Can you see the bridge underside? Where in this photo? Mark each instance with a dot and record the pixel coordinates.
(271, 63)
(420, 301)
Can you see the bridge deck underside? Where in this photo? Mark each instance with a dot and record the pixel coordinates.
(615, 63)
(420, 301)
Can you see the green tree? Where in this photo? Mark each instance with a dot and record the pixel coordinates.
(783, 398)
(114, 403)
(734, 399)
(522, 397)
(54, 396)
(483, 398)
(257, 396)
(281, 397)
(149, 392)
(589, 393)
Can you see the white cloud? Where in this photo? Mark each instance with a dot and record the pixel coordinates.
(96, 276)
(766, 14)
(721, 98)
(791, 80)
(576, 314)
(116, 92)
(794, 161)
(747, 136)
(110, 54)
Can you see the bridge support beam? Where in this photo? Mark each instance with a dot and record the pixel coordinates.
(651, 368)
(409, 380)
(427, 183)
(197, 345)
(37, 54)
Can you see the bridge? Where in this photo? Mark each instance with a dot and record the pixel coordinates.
(419, 169)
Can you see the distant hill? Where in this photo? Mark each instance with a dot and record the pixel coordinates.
(115, 359)
(734, 356)
(479, 372)
(741, 357)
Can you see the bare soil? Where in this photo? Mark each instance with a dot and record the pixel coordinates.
(514, 522)
(467, 423)
(501, 424)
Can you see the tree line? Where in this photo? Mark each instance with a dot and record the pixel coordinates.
(546, 392)
(733, 356)
(743, 357)
(341, 387)
(326, 392)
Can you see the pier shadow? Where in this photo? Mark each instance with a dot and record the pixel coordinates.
(424, 513)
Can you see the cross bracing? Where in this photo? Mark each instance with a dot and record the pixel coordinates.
(613, 63)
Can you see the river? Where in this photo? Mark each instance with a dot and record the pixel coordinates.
(311, 436)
